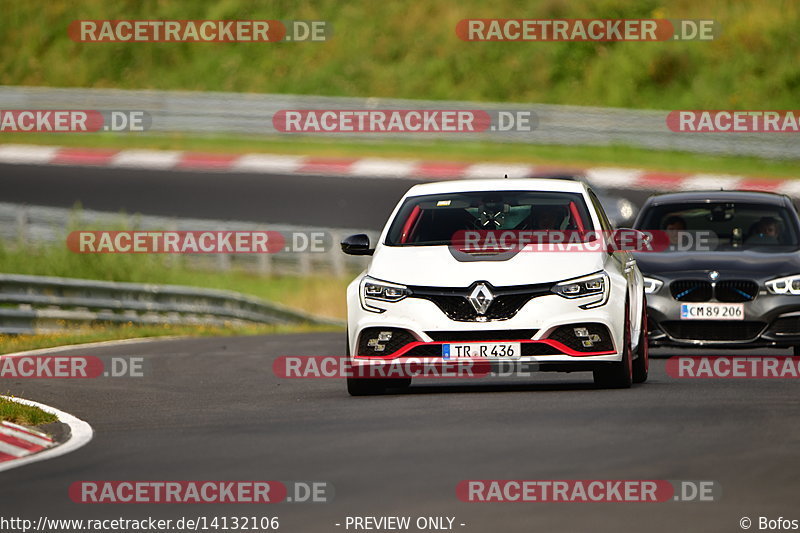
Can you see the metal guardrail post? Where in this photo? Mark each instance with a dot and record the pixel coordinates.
(264, 264)
(22, 225)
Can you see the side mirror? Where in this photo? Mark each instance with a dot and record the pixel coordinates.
(357, 245)
(631, 240)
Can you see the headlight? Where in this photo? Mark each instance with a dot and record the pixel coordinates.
(383, 291)
(595, 285)
(787, 285)
(625, 208)
(652, 285)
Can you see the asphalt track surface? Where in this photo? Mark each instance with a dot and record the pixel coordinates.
(323, 201)
(211, 409)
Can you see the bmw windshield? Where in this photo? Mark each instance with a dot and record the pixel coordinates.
(723, 226)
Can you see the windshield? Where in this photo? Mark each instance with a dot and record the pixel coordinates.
(435, 219)
(724, 226)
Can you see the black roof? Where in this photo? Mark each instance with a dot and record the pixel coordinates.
(760, 197)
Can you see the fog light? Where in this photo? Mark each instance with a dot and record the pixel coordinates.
(376, 345)
(581, 332)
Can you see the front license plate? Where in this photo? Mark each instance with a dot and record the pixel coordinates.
(482, 350)
(712, 311)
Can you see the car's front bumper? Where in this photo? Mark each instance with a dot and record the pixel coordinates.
(541, 326)
(769, 321)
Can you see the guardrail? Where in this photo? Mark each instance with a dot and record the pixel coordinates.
(24, 224)
(251, 114)
(38, 304)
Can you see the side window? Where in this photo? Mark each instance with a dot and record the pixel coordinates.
(607, 226)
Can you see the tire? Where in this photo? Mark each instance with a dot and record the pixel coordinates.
(641, 364)
(618, 375)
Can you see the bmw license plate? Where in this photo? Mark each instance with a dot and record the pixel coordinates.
(482, 350)
(712, 311)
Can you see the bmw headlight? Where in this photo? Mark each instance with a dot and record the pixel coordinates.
(626, 209)
(787, 285)
(595, 285)
(382, 291)
(652, 285)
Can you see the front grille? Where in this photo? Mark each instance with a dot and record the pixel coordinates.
(713, 330)
(398, 339)
(507, 300)
(691, 290)
(735, 290)
(483, 335)
(697, 290)
(788, 325)
(567, 336)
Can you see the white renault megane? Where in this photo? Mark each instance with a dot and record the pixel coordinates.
(472, 270)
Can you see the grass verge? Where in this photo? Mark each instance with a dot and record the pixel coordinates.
(466, 151)
(25, 415)
(320, 295)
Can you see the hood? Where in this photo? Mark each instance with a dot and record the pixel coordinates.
(438, 266)
(753, 264)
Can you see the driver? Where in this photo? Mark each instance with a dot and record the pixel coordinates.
(673, 226)
(765, 231)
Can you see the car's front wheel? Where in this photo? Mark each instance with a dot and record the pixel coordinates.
(618, 375)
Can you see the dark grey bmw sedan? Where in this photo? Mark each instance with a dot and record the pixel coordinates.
(730, 275)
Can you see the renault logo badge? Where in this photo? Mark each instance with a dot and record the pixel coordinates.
(481, 298)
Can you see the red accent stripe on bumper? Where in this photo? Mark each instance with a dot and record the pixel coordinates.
(565, 350)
